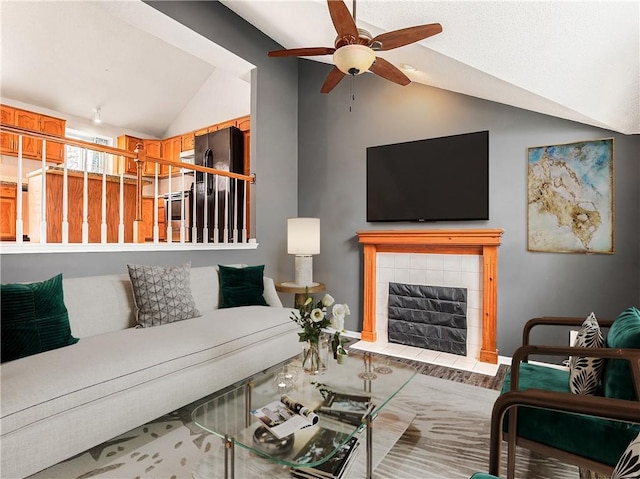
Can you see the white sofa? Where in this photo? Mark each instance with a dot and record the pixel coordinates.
(59, 403)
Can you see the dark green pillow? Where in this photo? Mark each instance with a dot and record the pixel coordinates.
(624, 333)
(241, 286)
(34, 319)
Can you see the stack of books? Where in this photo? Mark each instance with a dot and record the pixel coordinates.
(322, 442)
(347, 408)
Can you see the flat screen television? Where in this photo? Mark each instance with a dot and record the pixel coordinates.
(438, 179)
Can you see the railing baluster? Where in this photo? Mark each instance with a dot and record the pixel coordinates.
(121, 208)
(156, 229)
(194, 211)
(168, 213)
(43, 196)
(205, 216)
(182, 228)
(103, 221)
(85, 200)
(225, 230)
(19, 220)
(235, 210)
(65, 198)
(244, 210)
(216, 229)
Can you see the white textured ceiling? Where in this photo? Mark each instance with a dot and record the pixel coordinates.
(138, 66)
(577, 60)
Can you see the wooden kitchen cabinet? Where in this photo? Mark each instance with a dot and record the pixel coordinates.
(147, 219)
(128, 143)
(171, 148)
(7, 139)
(188, 142)
(152, 148)
(30, 120)
(31, 147)
(244, 123)
(8, 212)
(53, 126)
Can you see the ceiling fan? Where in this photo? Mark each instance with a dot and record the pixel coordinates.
(354, 48)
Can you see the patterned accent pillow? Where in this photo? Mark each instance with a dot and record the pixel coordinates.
(162, 295)
(585, 372)
(628, 466)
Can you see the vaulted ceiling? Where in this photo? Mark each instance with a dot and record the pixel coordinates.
(578, 60)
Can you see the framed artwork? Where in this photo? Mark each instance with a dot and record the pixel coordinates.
(570, 197)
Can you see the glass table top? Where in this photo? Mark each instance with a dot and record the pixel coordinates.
(229, 417)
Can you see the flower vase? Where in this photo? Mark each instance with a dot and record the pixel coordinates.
(313, 361)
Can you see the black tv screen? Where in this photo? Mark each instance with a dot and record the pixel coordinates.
(438, 179)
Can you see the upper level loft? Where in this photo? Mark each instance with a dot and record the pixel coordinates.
(60, 192)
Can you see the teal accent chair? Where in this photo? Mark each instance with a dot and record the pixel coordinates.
(536, 409)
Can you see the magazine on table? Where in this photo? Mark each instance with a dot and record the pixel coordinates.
(347, 408)
(285, 417)
(322, 443)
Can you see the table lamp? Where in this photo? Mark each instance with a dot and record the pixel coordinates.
(303, 240)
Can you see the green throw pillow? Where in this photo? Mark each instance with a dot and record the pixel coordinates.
(624, 333)
(241, 286)
(34, 319)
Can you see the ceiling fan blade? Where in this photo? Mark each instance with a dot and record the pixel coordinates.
(383, 68)
(342, 20)
(302, 52)
(333, 78)
(405, 36)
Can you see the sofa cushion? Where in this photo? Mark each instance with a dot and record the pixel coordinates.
(241, 286)
(585, 372)
(91, 313)
(624, 333)
(599, 439)
(50, 383)
(628, 466)
(162, 294)
(34, 319)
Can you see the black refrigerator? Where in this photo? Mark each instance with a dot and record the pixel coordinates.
(222, 150)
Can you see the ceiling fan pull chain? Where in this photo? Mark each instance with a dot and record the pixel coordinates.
(352, 95)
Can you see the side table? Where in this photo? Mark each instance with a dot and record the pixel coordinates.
(290, 287)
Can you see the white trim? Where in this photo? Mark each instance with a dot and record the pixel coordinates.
(7, 247)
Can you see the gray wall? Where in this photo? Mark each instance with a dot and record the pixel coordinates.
(274, 160)
(332, 145)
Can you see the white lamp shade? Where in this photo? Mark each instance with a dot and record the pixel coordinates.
(303, 236)
(354, 59)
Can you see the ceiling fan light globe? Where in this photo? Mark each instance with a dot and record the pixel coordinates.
(354, 59)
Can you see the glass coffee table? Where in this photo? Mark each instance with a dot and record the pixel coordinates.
(229, 416)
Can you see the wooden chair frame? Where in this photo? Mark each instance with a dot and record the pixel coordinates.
(609, 408)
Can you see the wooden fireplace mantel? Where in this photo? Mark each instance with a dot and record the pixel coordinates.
(482, 242)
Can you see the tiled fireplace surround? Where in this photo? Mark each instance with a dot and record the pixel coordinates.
(454, 258)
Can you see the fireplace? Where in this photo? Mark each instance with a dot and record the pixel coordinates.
(429, 317)
(477, 246)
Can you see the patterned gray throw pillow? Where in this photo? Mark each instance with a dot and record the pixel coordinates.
(162, 294)
(585, 372)
(628, 466)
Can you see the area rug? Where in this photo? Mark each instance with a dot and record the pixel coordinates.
(443, 430)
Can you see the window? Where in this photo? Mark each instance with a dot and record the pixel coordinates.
(97, 162)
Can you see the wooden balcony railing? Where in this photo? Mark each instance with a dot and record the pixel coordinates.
(80, 207)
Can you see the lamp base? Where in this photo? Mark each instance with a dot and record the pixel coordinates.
(304, 271)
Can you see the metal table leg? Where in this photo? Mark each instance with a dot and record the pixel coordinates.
(369, 446)
(229, 458)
